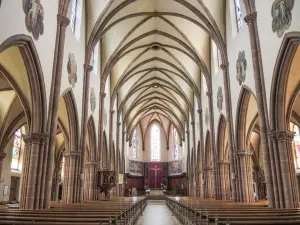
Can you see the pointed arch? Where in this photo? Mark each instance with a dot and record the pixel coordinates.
(38, 108)
(72, 116)
(221, 138)
(208, 150)
(241, 117)
(92, 138)
(279, 114)
(105, 149)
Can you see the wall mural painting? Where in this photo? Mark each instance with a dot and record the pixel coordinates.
(72, 69)
(136, 168)
(34, 12)
(282, 16)
(220, 99)
(175, 167)
(93, 99)
(206, 116)
(241, 67)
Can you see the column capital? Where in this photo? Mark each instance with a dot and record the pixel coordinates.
(223, 162)
(193, 123)
(207, 168)
(2, 155)
(87, 67)
(102, 94)
(224, 66)
(199, 111)
(119, 123)
(91, 163)
(124, 132)
(209, 93)
(62, 20)
(241, 153)
(72, 154)
(280, 136)
(187, 132)
(35, 138)
(250, 18)
(112, 111)
(168, 147)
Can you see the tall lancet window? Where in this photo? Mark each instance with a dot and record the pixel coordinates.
(134, 143)
(238, 14)
(73, 15)
(16, 150)
(297, 144)
(176, 144)
(155, 143)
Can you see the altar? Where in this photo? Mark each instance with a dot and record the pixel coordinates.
(156, 192)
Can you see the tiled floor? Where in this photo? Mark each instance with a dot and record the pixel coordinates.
(157, 213)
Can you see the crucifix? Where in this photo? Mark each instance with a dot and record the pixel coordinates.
(155, 173)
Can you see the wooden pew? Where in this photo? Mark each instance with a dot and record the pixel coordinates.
(208, 211)
(120, 211)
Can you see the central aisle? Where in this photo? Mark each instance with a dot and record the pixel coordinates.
(157, 213)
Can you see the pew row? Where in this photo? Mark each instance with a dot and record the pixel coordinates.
(121, 211)
(203, 212)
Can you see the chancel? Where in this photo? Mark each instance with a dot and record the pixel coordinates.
(149, 112)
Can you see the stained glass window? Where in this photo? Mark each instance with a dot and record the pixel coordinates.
(63, 168)
(216, 58)
(134, 144)
(238, 14)
(176, 144)
(155, 143)
(73, 15)
(16, 150)
(297, 144)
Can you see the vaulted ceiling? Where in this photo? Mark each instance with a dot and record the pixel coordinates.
(155, 52)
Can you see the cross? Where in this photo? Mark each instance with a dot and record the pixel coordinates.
(155, 173)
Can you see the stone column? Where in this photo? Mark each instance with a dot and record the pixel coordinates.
(246, 178)
(92, 181)
(271, 179)
(200, 157)
(208, 187)
(118, 154)
(73, 176)
(2, 157)
(30, 196)
(101, 120)
(47, 170)
(212, 140)
(229, 124)
(223, 167)
(110, 145)
(84, 119)
(282, 144)
(55, 183)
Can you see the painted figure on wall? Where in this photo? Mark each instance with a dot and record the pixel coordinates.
(220, 99)
(34, 17)
(93, 99)
(241, 67)
(72, 69)
(282, 16)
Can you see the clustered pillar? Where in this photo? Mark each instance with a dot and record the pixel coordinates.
(33, 163)
(244, 175)
(208, 182)
(224, 182)
(287, 191)
(71, 177)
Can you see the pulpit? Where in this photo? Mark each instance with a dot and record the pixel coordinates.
(106, 181)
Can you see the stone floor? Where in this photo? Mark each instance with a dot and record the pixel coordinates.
(157, 213)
